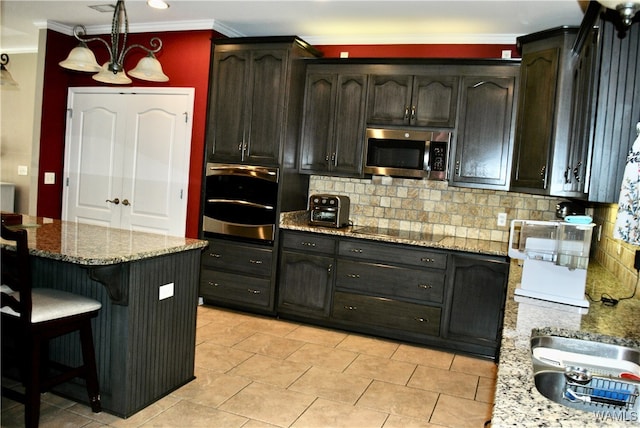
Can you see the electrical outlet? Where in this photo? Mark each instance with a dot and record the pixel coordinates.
(23, 170)
(502, 219)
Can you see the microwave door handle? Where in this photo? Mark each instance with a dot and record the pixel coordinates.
(240, 202)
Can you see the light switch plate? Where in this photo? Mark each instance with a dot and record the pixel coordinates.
(49, 178)
(502, 219)
(23, 170)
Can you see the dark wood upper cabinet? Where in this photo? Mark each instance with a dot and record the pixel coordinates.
(544, 111)
(255, 100)
(484, 143)
(414, 100)
(333, 124)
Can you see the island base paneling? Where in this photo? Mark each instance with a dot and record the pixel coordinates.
(145, 347)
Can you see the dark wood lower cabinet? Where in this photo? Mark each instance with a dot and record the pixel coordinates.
(477, 288)
(455, 301)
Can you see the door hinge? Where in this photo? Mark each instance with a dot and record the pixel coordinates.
(186, 117)
(70, 111)
(181, 192)
(67, 182)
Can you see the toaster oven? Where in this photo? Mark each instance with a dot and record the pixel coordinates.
(329, 210)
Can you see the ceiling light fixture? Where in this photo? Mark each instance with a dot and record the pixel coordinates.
(158, 4)
(626, 9)
(81, 58)
(5, 77)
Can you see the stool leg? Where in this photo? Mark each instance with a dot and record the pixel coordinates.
(32, 386)
(91, 371)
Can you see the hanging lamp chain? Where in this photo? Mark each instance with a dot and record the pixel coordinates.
(117, 50)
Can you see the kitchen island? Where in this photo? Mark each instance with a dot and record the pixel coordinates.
(148, 285)
(517, 401)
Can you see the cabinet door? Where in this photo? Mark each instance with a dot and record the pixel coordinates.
(263, 133)
(317, 132)
(225, 135)
(434, 101)
(536, 112)
(575, 175)
(483, 149)
(305, 284)
(389, 99)
(478, 293)
(349, 124)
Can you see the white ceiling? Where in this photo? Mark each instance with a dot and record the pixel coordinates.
(316, 21)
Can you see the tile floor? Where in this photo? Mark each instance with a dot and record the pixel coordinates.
(254, 371)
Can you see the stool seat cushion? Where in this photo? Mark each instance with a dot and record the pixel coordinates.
(48, 304)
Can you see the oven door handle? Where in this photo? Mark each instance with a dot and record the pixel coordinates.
(240, 202)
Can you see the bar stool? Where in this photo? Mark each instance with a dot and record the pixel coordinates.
(30, 318)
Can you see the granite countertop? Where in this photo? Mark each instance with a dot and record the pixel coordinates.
(87, 244)
(299, 220)
(517, 401)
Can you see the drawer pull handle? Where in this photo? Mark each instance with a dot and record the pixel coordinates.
(329, 269)
(252, 291)
(255, 262)
(425, 286)
(308, 244)
(351, 308)
(427, 260)
(353, 275)
(356, 250)
(214, 284)
(420, 319)
(214, 255)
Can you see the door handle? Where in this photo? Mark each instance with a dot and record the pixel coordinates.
(126, 202)
(115, 201)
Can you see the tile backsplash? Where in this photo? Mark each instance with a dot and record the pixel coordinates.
(434, 206)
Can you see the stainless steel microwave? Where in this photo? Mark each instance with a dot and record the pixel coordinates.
(407, 153)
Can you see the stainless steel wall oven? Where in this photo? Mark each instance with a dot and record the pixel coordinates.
(240, 202)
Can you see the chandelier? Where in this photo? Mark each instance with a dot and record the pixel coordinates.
(81, 58)
(5, 77)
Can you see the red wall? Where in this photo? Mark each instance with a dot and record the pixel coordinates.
(418, 51)
(185, 59)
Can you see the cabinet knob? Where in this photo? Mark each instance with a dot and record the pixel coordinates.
(420, 319)
(329, 269)
(425, 286)
(353, 275)
(351, 308)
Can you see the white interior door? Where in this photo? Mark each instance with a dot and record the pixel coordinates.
(134, 146)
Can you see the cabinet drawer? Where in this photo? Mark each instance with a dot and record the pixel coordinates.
(308, 242)
(387, 313)
(391, 281)
(236, 288)
(240, 258)
(390, 253)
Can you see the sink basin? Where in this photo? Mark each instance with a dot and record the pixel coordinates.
(587, 375)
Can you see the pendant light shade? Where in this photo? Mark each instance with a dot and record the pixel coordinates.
(107, 76)
(149, 68)
(626, 8)
(81, 59)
